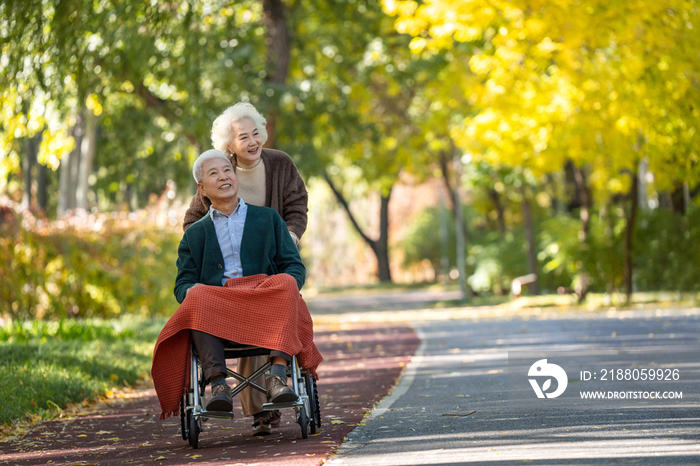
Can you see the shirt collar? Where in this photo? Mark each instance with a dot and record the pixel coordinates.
(217, 213)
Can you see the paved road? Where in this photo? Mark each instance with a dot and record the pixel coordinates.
(462, 366)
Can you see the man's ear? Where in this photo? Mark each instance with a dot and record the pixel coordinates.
(200, 188)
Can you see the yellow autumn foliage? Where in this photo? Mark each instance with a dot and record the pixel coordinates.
(89, 265)
(604, 84)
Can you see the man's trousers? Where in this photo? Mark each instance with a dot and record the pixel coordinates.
(211, 357)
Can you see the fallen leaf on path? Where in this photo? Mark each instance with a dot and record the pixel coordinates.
(337, 422)
(160, 458)
(459, 414)
(102, 432)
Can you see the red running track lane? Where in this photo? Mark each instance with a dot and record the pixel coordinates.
(362, 363)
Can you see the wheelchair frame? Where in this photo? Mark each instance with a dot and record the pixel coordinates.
(193, 404)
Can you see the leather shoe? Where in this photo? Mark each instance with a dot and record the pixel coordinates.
(260, 428)
(278, 391)
(220, 398)
(275, 418)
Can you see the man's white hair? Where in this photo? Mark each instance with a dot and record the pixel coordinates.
(222, 132)
(208, 155)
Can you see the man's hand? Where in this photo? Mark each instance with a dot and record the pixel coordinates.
(188, 289)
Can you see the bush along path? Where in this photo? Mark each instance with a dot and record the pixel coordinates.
(362, 363)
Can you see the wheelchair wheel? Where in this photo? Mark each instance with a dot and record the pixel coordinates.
(303, 422)
(315, 408)
(194, 432)
(183, 417)
(318, 402)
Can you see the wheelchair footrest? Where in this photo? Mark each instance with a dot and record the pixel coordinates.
(273, 406)
(226, 415)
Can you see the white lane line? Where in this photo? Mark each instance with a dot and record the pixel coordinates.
(405, 379)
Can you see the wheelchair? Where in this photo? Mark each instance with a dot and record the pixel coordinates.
(193, 404)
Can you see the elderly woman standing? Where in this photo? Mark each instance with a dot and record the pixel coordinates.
(266, 177)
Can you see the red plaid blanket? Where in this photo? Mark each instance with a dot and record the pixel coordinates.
(260, 310)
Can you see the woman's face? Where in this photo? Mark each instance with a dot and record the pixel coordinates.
(246, 142)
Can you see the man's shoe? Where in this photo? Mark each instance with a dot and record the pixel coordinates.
(220, 398)
(261, 426)
(278, 391)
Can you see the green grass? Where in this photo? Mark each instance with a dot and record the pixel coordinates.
(46, 365)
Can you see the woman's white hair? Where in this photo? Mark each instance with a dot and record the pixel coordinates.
(222, 132)
(208, 155)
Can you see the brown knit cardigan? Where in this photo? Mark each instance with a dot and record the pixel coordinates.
(284, 191)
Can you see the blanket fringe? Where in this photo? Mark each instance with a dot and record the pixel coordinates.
(164, 415)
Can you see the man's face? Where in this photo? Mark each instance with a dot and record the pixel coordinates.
(219, 181)
(246, 142)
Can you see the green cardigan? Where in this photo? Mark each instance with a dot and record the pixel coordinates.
(266, 248)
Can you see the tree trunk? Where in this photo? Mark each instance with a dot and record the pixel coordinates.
(63, 184)
(585, 200)
(28, 163)
(585, 209)
(607, 213)
(69, 169)
(642, 170)
(530, 236)
(278, 55)
(496, 199)
(629, 234)
(42, 187)
(382, 250)
(87, 155)
(452, 192)
(459, 227)
(444, 242)
(678, 198)
(380, 247)
(79, 133)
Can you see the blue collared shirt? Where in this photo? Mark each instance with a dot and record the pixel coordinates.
(229, 232)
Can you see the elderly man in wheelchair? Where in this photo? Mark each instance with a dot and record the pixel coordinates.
(238, 282)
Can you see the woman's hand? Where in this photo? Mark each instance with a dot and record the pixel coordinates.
(295, 238)
(188, 289)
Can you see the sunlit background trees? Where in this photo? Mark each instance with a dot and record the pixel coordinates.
(563, 133)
